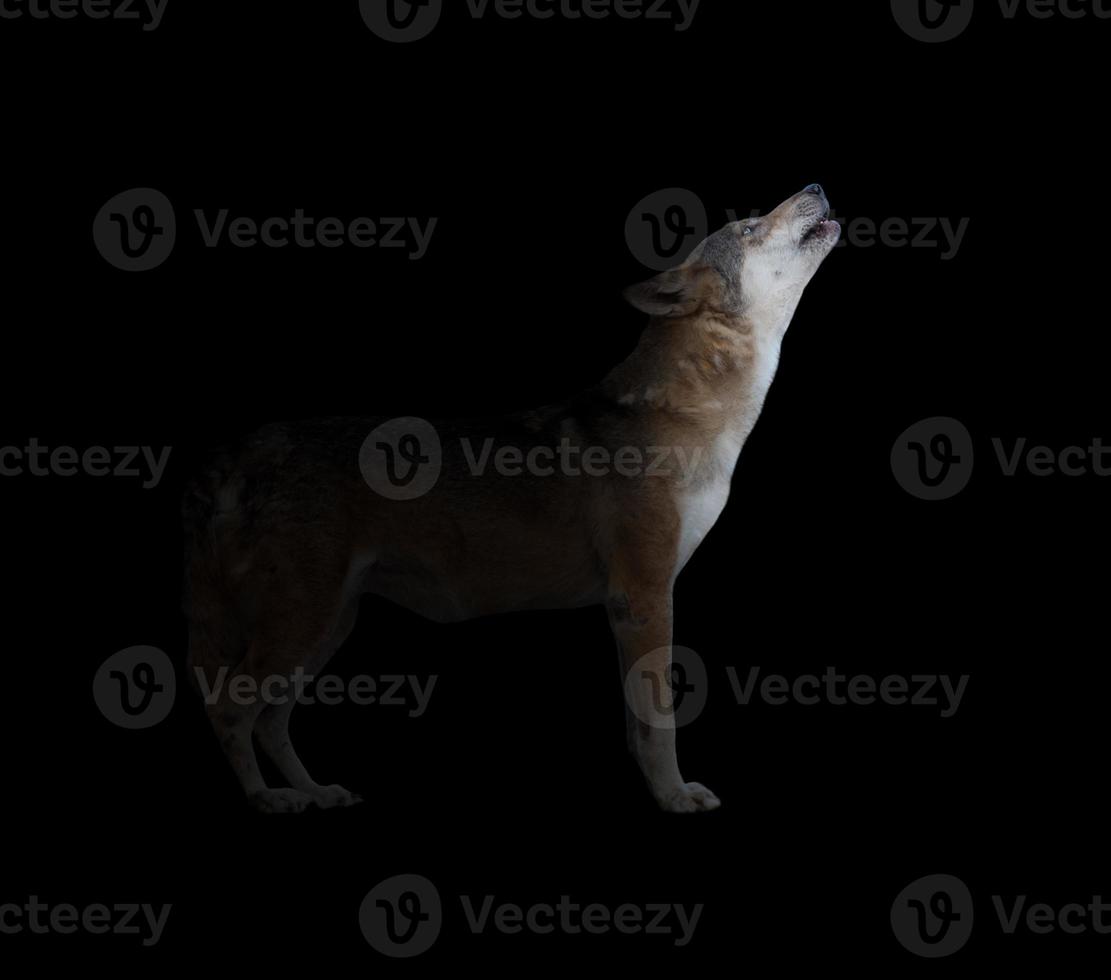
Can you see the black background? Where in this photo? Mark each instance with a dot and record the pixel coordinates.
(531, 142)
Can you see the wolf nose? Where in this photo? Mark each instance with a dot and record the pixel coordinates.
(815, 189)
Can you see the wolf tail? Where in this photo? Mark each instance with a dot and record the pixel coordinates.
(216, 637)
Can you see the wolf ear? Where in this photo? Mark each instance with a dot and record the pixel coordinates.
(671, 293)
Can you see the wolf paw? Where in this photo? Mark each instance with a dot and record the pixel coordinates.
(688, 798)
(327, 797)
(279, 800)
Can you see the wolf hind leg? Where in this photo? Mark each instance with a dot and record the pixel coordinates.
(272, 727)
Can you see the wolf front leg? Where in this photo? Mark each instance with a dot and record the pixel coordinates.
(641, 618)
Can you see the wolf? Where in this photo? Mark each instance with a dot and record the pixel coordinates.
(288, 529)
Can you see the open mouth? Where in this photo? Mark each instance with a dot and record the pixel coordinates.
(821, 226)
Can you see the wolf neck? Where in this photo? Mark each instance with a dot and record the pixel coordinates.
(709, 372)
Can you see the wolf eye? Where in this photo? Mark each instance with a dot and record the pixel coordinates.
(748, 231)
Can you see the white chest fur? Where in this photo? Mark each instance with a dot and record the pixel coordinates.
(699, 509)
(701, 504)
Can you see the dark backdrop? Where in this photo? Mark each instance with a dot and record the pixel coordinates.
(531, 142)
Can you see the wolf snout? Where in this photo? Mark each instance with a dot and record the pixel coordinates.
(816, 190)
